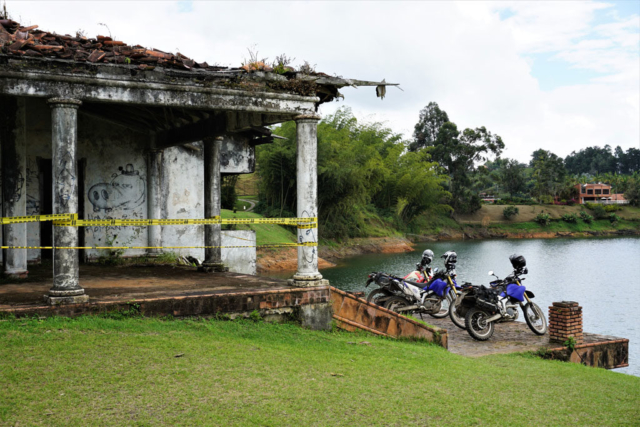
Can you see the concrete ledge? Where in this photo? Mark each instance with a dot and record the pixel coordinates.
(604, 353)
(195, 304)
(351, 313)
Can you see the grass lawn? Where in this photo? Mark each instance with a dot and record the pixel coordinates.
(143, 371)
(265, 233)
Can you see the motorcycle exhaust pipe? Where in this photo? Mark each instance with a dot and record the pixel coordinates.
(493, 318)
(409, 308)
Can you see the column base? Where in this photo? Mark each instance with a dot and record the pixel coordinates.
(73, 299)
(16, 274)
(213, 267)
(307, 283)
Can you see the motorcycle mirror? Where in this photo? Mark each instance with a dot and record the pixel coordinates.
(491, 273)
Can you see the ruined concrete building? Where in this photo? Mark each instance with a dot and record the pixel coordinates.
(112, 131)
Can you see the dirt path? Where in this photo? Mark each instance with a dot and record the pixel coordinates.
(252, 203)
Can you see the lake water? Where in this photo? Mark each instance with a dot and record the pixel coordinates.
(602, 274)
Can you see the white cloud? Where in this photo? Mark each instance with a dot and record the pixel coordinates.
(461, 55)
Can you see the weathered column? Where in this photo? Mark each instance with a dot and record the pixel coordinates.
(212, 203)
(64, 134)
(14, 187)
(154, 199)
(307, 189)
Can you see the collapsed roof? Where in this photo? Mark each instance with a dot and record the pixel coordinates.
(80, 55)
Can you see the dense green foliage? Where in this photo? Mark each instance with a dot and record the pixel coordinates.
(596, 160)
(510, 211)
(364, 173)
(118, 370)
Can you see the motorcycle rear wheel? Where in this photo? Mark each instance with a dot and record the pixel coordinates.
(444, 308)
(535, 318)
(396, 302)
(459, 321)
(477, 325)
(377, 293)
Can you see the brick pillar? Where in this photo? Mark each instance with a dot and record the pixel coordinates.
(565, 320)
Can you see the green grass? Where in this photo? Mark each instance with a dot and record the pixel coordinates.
(265, 233)
(562, 226)
(99, 371)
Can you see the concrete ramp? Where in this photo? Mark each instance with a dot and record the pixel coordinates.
(351, 313)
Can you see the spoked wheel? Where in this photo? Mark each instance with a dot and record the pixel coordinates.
(535, 318)
(376, 294)
(477, 325)
(395, 303)
(444, 308)
(457, 320)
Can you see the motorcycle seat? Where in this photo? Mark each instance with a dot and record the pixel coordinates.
(414, 283)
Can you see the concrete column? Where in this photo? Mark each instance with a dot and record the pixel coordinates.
(212, 202)
(14, 186)
(154, 199)
(64, 134)
(307, 203)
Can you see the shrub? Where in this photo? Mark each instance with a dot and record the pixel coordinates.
(613, 218)
(612, 208)
(547, 200)
(543, 218)
(572, 218)
(599, 212)
(510, 211)
(586, 217)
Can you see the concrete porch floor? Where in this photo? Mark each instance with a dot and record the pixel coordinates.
(127, 283)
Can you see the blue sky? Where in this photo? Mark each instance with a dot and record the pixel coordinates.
(552, 71)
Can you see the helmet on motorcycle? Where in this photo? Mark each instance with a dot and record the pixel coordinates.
(517, 261)
(427, 257)
(450, 259)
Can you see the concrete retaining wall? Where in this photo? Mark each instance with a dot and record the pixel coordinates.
(351, 313)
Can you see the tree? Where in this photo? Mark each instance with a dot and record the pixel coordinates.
(633, 191)
(512, 177)
(548, 173)
(426, 130)
(458, 152)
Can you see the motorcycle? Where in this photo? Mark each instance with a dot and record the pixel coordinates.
(405, 296)
(482, 307)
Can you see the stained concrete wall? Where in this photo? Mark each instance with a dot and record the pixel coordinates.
(114, 160)
(183, 198)
(239, 260)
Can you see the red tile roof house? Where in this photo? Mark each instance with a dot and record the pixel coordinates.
(106, 130)
(598, 193)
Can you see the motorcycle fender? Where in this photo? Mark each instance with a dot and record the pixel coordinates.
(368, 283)
(529, 294)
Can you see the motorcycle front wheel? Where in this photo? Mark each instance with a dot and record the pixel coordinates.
(477, 325)
(535, 318)
(377, 293)
(395, 303)
(457, 320)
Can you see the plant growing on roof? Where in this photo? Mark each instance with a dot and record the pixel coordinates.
(282, 64)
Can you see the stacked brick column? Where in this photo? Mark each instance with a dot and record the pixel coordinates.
(565, 320)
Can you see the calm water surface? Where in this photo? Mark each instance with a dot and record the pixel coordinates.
(603, 275)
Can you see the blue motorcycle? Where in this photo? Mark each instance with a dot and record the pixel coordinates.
(482, 307)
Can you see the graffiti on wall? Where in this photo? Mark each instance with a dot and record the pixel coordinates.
(66, 180)
(126, 191)
(13, 188)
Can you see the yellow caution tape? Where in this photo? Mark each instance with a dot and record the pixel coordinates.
(71, 220)
(38, 218)
(275, 245)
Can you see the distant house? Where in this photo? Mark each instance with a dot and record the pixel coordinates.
(598, 193)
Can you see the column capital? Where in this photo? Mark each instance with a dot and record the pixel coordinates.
(311, 117)
(64, 103)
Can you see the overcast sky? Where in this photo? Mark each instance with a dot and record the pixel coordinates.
(554, 75)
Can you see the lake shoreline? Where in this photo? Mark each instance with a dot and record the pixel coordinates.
(329, 256)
